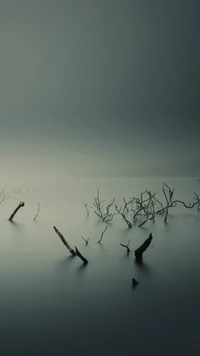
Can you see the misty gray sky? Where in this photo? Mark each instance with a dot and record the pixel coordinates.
(114, 80)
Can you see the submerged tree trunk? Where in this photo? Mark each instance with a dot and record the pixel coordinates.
(21, 204)
(140, 250)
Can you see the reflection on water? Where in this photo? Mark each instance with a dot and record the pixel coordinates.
(52, 304)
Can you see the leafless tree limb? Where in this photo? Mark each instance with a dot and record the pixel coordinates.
(102, 234)
(127, 247)
(64, 241)
(171, 203)
(87, 210)
(85, 261)
(86, 240)
(123, 211)
(21, 204)
(38, 210)
(106, 216)
(2, 196)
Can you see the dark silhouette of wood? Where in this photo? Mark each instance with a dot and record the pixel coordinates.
(123, 211)
(85, 261)
(169, 193)
(102, 234)
(86, 241)
(87, 210)
(64, 241)
(127, 247)
(134, 282)
(38, 210)
(106, 216)
(140, 250)
(21, 204)
(2, 196)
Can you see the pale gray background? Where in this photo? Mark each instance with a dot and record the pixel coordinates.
(112, 84)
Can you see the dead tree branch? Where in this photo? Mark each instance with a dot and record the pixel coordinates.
(87, 210)
(38, 210)
(144, 206)
(102, 234)
(127, 247)
(170, 203)
(85, 261)
(64, 241)
(86, 241)
(2, 196)
(106, 216)
(21, 204)
(140, 250)
(124, 210)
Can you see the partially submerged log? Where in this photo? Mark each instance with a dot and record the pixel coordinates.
(81, 256)
(140, 250)
(64, 241)
(21, 204)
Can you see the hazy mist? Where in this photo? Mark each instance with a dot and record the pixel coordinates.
(100, 87)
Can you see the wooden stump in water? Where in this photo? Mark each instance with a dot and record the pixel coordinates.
(140, 250)
(21, 204)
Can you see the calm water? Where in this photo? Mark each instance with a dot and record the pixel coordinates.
(51, 304)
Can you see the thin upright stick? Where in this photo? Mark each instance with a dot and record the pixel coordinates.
(21, 204)
(85, 261)
(86, 241)
(38, 210)
(127, 247)
(64, 241)
(87, 210)
(102, 234)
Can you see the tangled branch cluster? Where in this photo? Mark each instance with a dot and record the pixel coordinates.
(143, 208)
(101, 211)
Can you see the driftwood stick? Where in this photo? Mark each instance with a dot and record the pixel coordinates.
(81, 256)
(87, 210)
(139, 251)
(21, 204)
(38, 210)
(2, 196)
(64, 241)
(127, 247)
(102, 234)
(86, 240)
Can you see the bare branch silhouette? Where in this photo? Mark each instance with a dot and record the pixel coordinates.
(127, 247)
(21, 204)
(64, 241)
(38, 210)
(144, 205)
(85, 261)
(2, 196)
(86, 241)
(140, 250)
(170, 203)
(124, 210)
(106, 216)
(102, 234)
(87, 210)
